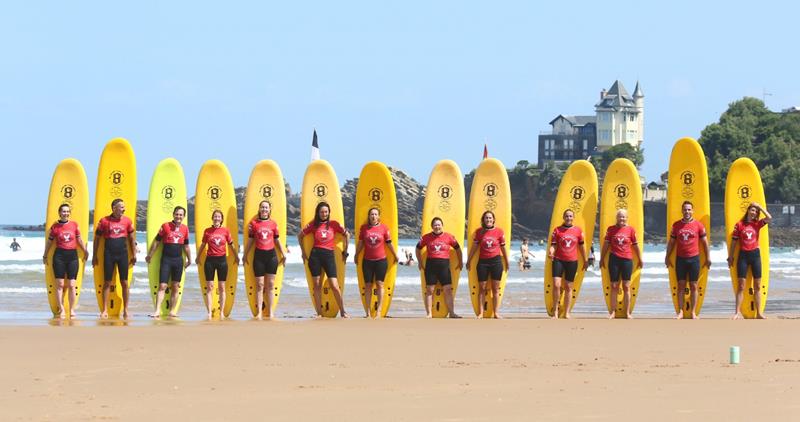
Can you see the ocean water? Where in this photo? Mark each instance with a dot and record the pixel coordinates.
(23, 297)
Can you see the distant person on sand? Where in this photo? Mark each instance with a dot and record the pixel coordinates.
(117, 230)
(409, 257)
(175, 256)
(219, 242)
(565, 248)
(524, 255)
(492, 260)
(621, 242)
(688, 235)
(746, 232)
(263, 233)
(321, 258)
(14, 245)
(66, 235)
(374, 238)
(437, 265)
(591, 256)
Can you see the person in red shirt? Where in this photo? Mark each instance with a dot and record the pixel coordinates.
(436, 267)
(174, 258)
(219, 242)
(621, 242)
(490, 241)
(687, 234)
(321, 256)
(374, 239)
(262, 232)
(118, 232)
(566, 245)
(746, 232)
(66, 235)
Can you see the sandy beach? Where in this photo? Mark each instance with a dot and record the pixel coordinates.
(402, 369)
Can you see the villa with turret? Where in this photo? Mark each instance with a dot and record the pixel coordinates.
(618, 118)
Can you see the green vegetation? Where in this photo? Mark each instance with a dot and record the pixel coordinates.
(771, 140)
(601, 162)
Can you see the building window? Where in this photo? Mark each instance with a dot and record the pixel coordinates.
(631, 135)
(585, 144)
(632, 117)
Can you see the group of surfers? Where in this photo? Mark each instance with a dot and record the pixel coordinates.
(567, 252)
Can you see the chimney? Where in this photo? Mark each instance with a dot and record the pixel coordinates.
(603, 93)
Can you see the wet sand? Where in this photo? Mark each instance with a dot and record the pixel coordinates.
(403, 369)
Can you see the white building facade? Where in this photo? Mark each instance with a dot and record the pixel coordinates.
(620, 117)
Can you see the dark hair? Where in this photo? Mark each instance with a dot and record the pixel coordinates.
(62, 206)
(433, 220)
(687, 202)
(317, 221)
(483, 217)
(564, 214)
(174, 210)
(115, 202)
(758, 212)
(221, 214)
(524, 239)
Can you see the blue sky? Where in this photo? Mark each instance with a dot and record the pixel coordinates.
(407, 83)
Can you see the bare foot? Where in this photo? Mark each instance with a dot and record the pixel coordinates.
(258, 317)
(173, 315)
(497, 316)
(72, 313)
(125, 314)
(428, 316)
(611, 315)
(737, 315)
(629, 316)
(62, 314)
(344, 314)
(480, 316)
(554, 316)
(378, 315)
(318, 316)
(210, 317)
(761, 316)
(155, 315)
(695, 316)
(679, 315)
(567, 316)
(454, 315)
(104, 315)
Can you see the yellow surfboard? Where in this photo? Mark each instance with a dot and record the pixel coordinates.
(622, 188)
(490, 191)
(320, 184)
(376, 190)
(577, 192)
(215, 192)
(265, 184)
(116, 178)
(167, 191)
(688, 181)
(444, 198)
(742, 187)
(68, 186)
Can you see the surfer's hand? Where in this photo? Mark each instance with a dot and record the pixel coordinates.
(147, 259)
(708, 263)
(305, 258)
(44, 259)
(133, 260)
(602, 264)
(667, 262)
(188, 263)
(639, 264)
(245, 260)
(730, 261)
(468, 265)
(236, 259)
(94, 260)
(421, 267)
(282, 261)
(197, 260)
(585, 265)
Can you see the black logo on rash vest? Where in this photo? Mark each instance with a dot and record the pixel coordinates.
(321, 190)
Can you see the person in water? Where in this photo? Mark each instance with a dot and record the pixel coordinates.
(120, 237)
(262, 232)
(66, 236)
(219, 242)
(621, 242)
(321, 257)
(175, 257)
(524, 255)
(436, 267)
(490, 241)
(566, 246)
(687, 236)
(746, 232)
(15, 246)
(591, 256)
(374, 239)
